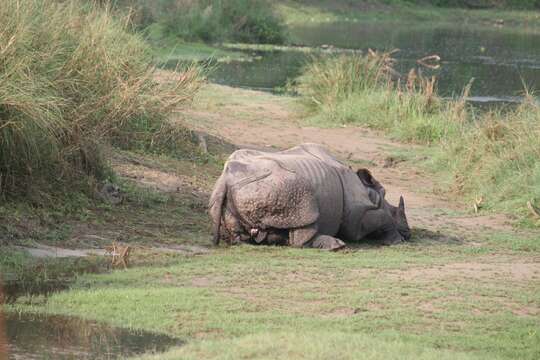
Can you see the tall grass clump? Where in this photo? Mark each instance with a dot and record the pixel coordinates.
(367, 90)
(73, 78)
(492, 155)
(496, 158)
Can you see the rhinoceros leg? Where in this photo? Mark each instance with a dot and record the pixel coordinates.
(326, 242)
(307, 237)
(299, 237)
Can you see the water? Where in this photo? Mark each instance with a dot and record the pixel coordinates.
(499, 59)
(60, 337)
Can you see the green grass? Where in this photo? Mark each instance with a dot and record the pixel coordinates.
(308, 345)
(175, 52)
(491, 155)
(361, 89)
(170, 49)
(263, 302)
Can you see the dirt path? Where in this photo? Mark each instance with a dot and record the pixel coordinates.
(260, 120)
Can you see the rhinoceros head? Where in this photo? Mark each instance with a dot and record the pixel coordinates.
(397, 219)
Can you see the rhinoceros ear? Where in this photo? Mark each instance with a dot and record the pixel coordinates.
(365, 176)
(401, 204)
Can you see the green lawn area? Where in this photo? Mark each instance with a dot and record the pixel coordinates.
(427, 299)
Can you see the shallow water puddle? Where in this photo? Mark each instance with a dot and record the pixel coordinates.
(61, 337)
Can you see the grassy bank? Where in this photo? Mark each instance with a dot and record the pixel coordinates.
(489, 156)
(78, 95)
(162, 216)
(73, 79)
(411, 301)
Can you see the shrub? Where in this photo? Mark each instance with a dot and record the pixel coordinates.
(72, 78)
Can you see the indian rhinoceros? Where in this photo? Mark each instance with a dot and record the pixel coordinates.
(302, 197)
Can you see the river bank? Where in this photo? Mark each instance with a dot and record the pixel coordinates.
(299, 13)
(468, 48)
(315, 13)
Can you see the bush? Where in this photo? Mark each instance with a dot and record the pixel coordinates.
(250, 21)
(493, 155)
(72, 79)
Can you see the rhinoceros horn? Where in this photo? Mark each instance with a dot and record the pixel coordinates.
(401, 204)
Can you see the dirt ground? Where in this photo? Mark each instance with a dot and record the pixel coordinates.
(259, 120)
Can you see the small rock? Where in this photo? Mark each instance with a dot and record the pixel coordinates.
(111, 193)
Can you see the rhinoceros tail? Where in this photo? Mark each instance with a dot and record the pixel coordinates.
(215, 207)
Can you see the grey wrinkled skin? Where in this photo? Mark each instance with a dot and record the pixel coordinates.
(301, 197)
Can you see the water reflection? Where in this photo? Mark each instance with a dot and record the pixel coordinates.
(60, 337)
(499, 60)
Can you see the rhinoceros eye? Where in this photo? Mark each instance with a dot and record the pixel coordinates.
(374, 196)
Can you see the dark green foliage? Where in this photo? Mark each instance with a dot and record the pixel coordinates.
(217, 20)
(251, 21)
